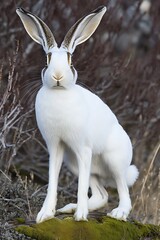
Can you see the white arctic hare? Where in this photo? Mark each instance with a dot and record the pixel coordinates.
(75, 123)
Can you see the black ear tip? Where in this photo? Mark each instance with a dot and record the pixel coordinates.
(100, 9)
(20, 9)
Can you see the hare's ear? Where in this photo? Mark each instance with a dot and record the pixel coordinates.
(83, 29)
(37, 29)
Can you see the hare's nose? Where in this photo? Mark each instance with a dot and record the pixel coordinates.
(57, 77)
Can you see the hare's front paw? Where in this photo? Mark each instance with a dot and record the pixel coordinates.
(119, 213)
(80, 215)
(45, 214)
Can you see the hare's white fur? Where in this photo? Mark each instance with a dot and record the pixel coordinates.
(79, 127)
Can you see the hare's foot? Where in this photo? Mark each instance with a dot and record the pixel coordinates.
(69, 208)
(81, 214)
(94, 203)
(98, 200)
(45, 214)
(99, 196)
(119, 213)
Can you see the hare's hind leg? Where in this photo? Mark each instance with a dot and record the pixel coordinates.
(99, 196)
(124, 207)
(98, 199)
(55, 161)
(118, 156)
(118, 169)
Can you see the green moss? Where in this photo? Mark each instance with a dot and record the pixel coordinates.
(20, 220)
(108, 228)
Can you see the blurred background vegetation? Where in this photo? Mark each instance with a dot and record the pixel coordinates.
(120, 63)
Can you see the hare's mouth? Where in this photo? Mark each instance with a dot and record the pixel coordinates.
(58, 87)
(57, 82)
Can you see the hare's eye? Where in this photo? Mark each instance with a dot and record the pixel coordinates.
(49, 58)
(69, 59)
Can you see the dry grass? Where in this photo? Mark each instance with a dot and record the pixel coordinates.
(127, 78)
(147, 202)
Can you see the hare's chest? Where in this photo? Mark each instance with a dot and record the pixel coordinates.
(59, 113)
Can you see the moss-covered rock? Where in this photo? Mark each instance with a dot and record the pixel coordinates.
(106, 228)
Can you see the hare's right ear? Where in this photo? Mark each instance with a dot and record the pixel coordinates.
(37, 29)
(83, 29)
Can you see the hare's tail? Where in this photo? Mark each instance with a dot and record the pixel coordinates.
(132, 175)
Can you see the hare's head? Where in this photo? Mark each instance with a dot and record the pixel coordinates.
(59, 71)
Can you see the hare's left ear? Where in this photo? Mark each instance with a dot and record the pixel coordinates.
(37, 29)
(83, 29)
